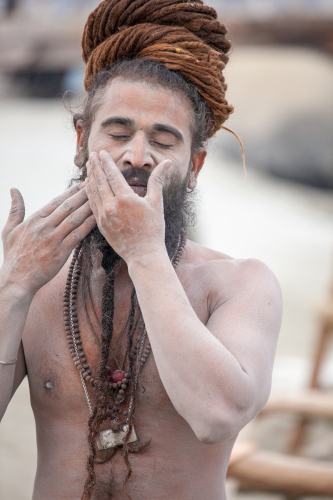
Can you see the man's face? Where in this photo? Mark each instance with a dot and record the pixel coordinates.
(140, 125)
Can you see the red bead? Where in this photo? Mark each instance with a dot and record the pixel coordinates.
(118, 376)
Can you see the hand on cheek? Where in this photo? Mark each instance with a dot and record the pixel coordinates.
(131, 224)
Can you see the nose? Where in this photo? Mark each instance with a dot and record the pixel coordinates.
(137, 153)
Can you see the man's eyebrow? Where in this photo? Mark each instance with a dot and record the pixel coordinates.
(160, 127)
(120, 120)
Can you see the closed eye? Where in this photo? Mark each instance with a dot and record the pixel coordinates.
(119, 137)
(164, 146)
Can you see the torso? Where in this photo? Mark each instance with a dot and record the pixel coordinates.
(176, 465)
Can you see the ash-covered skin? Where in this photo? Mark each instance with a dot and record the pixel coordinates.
(179, 213)
(212, 325)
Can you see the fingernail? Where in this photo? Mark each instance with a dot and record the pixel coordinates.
(11, 193)
(168, 164)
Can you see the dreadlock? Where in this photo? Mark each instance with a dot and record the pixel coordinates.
(131, 356)
(102, 390)
(184, 36)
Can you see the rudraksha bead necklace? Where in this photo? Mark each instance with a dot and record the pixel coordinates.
(117, 380)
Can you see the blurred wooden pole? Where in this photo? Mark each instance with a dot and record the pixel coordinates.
(323, 337)
(289, 475)
(325, 315)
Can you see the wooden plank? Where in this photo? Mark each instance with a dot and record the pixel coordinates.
(312, 403)
(275, 472)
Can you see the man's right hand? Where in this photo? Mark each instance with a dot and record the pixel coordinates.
(36, 249)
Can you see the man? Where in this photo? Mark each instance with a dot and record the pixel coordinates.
(166, 347)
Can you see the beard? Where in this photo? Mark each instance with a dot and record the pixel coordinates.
(179, 216)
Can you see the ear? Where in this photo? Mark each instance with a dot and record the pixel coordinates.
(80, 136)
(197, 163)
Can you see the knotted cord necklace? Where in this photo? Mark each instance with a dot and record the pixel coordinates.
(109, 439)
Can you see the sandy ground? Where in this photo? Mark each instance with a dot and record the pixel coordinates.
(287, 226)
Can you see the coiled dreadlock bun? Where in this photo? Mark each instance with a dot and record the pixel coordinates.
(184, 36)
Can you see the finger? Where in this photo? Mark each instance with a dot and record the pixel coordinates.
(56, 202)
(74, 220)
(156, 181)
(84, 183)
(68, 206)
(102, 184)
(98, 184)
(79, 233)
(115, 178)
(93, 194)
(16, 213)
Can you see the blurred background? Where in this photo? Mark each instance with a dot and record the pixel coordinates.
(280, 81)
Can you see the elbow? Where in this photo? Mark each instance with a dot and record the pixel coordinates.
(218, 431)
(224, 425)
(222, 421)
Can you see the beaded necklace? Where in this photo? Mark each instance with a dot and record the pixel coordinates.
(109, 439)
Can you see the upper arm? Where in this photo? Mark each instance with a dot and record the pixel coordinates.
(20, 369)
(248, 322)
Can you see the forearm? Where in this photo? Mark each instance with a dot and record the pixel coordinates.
(14, 308)
(204, 381)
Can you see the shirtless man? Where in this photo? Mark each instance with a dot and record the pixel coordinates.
(212, 321)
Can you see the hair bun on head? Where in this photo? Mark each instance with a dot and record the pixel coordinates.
(184, 36)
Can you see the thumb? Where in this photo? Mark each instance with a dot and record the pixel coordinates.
(16, 213)
(156, 180)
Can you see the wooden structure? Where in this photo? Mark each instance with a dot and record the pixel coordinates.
(293, 476)
(277, 473)
(325, 332)
(307, 31)
(325, 318)
(47, 44)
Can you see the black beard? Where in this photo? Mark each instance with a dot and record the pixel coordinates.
(179, 215)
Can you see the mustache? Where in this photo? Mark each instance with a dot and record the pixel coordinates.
(138, 174)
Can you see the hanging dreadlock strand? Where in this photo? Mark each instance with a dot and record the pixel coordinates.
(101, 399)
(134, 305)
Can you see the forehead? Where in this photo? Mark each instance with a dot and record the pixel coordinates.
(145, 104)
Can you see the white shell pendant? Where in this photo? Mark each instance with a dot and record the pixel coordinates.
(110, 439)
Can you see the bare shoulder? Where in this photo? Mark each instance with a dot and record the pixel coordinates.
(226, 277)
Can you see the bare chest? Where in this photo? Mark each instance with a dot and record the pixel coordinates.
(61, 409)
(55, 383)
